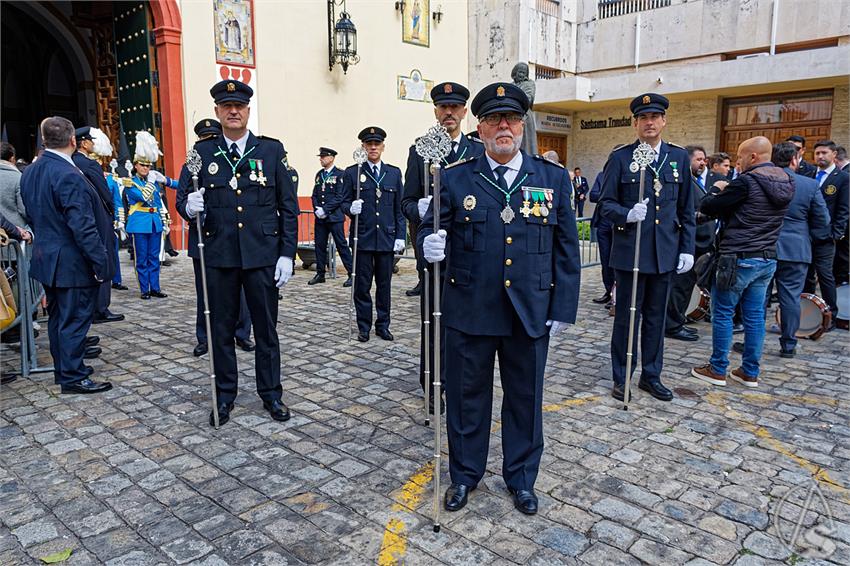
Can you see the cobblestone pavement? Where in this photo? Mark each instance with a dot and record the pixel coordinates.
(136, 476)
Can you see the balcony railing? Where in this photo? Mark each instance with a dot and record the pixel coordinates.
(612, 8)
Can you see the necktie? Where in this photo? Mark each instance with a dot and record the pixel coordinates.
(819, 177)
(375, 171)
(234, 150)
(500, 177)
(700, 182)
(453, 153)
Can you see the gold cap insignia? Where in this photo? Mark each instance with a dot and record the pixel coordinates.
(500, 91)
(231, 87)
(447, 89)
(371, 130)
(207, 123)
(646, 99)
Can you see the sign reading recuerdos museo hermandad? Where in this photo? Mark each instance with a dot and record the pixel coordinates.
(553, 123)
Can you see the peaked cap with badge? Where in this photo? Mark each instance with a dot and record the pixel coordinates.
(499, 97)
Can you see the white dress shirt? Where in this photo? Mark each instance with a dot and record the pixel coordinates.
(513, 166)
(240, 143)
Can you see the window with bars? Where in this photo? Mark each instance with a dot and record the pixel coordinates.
(612, 8)
(545, 73)
(549, 7)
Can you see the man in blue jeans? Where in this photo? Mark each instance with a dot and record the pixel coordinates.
(752, 208)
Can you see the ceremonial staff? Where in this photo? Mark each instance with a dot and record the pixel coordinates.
(360, 158)
(439, 145)
(422, 149)
(193, 164)
(642, 156)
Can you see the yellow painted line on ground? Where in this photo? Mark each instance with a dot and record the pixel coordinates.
(552, 407)
(394, 544)
(764, 398)
(820, 474)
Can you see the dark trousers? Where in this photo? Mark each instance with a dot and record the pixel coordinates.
(820, 272)
(604, 236)
(469, 400)
(426, 312)
(790, 278)
(224, 285)
(841, 265)
(117, 277)
(651, 304)
(71, 310)
(681, 289)
(579, 208)
(412, 230)
(243, 323)
(377, 266)
(103, 298)
(337, 231)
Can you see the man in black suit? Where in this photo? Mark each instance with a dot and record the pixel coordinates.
(804, 168)
(841, 266)
(580, 190)
(833, 185)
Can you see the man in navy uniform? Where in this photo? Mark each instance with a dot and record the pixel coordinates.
(380, 231)
(250, 230)
(512, 280)
(581, 189)
(205, 129)
(327, 201)
(87, 161)
(449, 110)
(666, 213)
(69, 256)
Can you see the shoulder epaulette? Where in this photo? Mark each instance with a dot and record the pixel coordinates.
(267, 138)
(205, 140)
(460, 162)
(472, 138)
(541, 158)
(675, 145)
(127, 181)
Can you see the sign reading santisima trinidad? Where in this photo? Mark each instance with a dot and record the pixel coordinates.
(609, 122)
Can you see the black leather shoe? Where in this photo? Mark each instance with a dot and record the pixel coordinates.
(456, 497)
(656, 389)
(158, 294)
(363, 337)
(738, 347)
(788, 353)
(609, 305)
(277, 410)
(86, 386)
(525, 500)
(89, 370)
(172, 253)
(683, 335)
(618, 392)
(107, 317)
(223, 414)
(603, 299)
(415, 291)
(317, 278)
(347, 282)
(92, 352)
(385, 335)
(146, 296)
(442, 405)
(200, 350)
(246, 345)
(119, 287)
(691, 330)
(92, 341)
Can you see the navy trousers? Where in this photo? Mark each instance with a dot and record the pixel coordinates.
(820, 273)
(71, 310)
(243, 324)
(337, 231)
(469, 367)
(223, 286)
(426, 312)
(790, 278)
(377, 266)
(651, 304)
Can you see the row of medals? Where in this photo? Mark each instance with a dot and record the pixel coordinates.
(656, 183)
(253, 176)
(527, 210)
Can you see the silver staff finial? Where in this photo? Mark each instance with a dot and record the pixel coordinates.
(193, 161)
(643, 154)
(359, 155)
(435, 144)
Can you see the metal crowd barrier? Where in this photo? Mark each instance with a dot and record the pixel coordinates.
(29, 296)
(588, 245)
(307, 242)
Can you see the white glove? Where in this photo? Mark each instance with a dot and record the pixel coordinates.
(686, 262)
(195, 202)
(283, 271)
(166, 230)
(120, 226)
(399, 245)
(356, 207)
(434, 247)
(556, 327)
(423, 205)
(320, 212)
(638, 212)
(156, 177)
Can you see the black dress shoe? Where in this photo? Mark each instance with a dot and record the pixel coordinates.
(246, 345)
(223, 414)
(609, 305)
(656, 389)
(8, 379)
(317, 278)
(618, 392)
(86, 386)
(456, 497)
(158, 294)
(277, 410)
(92, 352)
(172, 253)
(415, 291)
(603, 299)
(107, 317)
(787, 353)
(200, 350)
(525, 500)
(738, 347)
(363, 337)
(683, 335)
(347, 282)
(119, 287)
(385, 334)
(146, 296)
(442, 405)
(92, 341)
(88, 369)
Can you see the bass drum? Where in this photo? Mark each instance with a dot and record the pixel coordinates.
(843, 319)
(700, 304)
(815, 317)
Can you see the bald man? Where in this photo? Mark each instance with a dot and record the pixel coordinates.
(752, 208)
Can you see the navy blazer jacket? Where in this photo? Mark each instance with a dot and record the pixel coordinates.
(807, 219)
(328, 193)
(381, 221)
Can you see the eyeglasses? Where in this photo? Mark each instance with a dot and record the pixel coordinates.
(496, 119)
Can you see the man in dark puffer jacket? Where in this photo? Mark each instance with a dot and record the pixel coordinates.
(751, 209)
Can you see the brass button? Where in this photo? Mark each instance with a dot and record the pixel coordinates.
(545, 221)
(509, 261)
(507, 282)
(657, 207)
(240, 225)
(239, 208)
(551, 284)
(466, 218)
(657, 221)
(207, 233)
(238, 191)
(509, 240)
(452, 279)
(377, 225)
(377, 214)
(238, 175)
